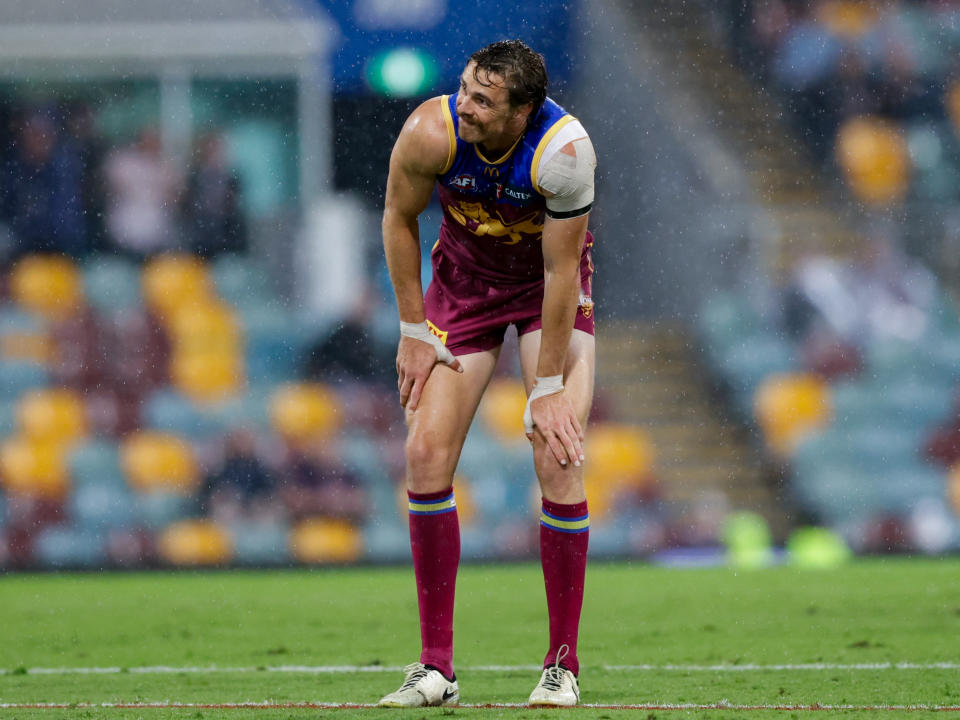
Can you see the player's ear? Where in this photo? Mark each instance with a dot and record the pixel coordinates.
(524, 111)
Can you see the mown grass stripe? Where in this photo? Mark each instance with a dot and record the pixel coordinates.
(348, 669)
(723, 705)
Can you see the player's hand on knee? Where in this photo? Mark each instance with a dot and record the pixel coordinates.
(419, 350)
(550, 413)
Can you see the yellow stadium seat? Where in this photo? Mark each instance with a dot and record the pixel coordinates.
(209, 326)
(305, 412)
(195, 543)
(172, 282)
(874, 157)
(953, 488)
(49, 285)
(55, 415)
(620, 459)
(849, 19)
(159, 461)
(318, 541)
(502, 409)
(34, 467)
(207, 376)
(952, 101)
(789, 407)
(26, 346)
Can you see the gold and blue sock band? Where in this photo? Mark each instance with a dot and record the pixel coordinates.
(433, 507)
(564, 524)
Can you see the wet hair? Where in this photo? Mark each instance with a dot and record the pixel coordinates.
(523, 70)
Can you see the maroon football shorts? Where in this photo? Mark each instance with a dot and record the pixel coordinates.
(472, 315)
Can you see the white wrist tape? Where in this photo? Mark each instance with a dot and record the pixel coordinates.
(421, 331)
(543, 386)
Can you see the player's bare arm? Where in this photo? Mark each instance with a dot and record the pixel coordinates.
(553, 415)
(420, 152)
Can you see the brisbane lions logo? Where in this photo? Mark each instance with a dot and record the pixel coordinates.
(475, 218)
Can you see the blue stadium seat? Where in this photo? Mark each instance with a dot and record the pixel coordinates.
(101, 507)
(260, 543)
(169, 411)
(241, 281)
(96, 463)
(157, 509)
(8, 417)
(112, 283)
(276, 343)
(18, 377)
(68, 547)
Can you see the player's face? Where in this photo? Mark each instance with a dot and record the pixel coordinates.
(483, 107)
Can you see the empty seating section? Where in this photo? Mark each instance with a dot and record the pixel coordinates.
(123, 385)
(854, 445)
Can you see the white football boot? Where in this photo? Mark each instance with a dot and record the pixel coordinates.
(422, 687)
(557, 687)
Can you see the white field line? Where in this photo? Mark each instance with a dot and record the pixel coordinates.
(270, 705)
(349, 669)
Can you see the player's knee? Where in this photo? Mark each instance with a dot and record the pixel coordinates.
(428, 461)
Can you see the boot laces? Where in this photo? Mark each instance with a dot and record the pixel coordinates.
(415, 673)
(553, 676)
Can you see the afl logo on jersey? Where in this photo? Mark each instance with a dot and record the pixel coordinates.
(465, 182)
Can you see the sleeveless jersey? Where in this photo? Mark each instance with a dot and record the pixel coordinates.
(493, 209)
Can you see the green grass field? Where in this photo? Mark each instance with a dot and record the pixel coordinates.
(876, 636)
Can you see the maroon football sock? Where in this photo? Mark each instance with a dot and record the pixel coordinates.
(435, 542)
(564, 534)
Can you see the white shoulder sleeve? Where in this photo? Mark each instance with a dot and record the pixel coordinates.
(567, 180)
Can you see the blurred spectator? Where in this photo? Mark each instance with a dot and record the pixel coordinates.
(883, 294)
(353, 351)
(242, 486)
(143, 189)
(213, 218)
(41, 189)
(316, 482)
(91, 153)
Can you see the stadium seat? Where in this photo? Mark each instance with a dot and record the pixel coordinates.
(98, 507)
(173, 412)
(78, 359)
(49, 285)
(204, 328)
(195, 543)
(787, 407)
(257, 543)
(156, 509)
(305, 412)
(276, 343)
(33, 467)
(54, 415)
(159, 461)
(96, 463)
(207, 377)
(321, 541)
(173, 281)
(847, 19)
(112, 283)
(953, 488)
(59, 547)
(240, 281)
(873, 155)
(24, 337)
(747, 362)
(502, 410)
(17, 378)
(621, 461)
